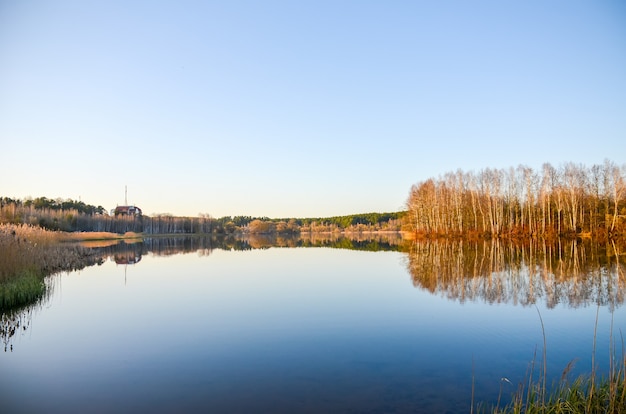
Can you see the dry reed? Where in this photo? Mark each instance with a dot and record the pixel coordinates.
(27, 255)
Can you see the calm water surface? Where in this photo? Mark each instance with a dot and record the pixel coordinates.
(307, 330)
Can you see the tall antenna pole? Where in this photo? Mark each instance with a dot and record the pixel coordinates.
(125, 195)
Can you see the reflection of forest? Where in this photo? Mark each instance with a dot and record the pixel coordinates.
(124, 253)
(573, 273)
(391, 241)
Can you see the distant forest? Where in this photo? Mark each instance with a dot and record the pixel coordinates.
(571, 200)
(70, 216)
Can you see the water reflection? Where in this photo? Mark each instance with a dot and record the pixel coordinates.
(569, 272)
(125, 252)
(573, 272)
(391, 241)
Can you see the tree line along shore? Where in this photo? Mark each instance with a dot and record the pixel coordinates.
(569, 201)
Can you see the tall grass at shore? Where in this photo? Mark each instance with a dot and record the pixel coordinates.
(586, 394)
(27, 255)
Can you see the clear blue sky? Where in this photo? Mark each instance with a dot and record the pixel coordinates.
(299, 108)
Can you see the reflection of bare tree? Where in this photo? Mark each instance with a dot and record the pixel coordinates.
(571, 272)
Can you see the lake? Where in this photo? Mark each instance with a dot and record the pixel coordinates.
(310, 326)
